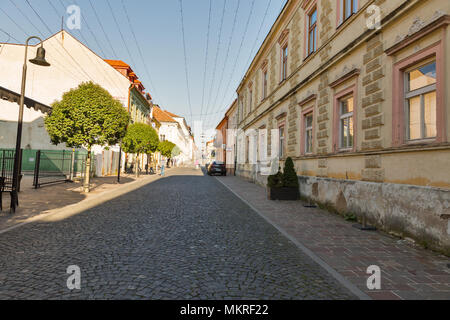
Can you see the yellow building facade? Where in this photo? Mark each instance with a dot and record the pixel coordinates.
(357, 92)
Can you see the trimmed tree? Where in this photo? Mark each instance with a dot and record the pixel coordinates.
(140, 139)
(166, 147)
(176, 151)
(87, 116)
(290, 178)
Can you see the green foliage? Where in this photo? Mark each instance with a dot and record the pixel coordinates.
(290, 178)
(87, 116)
(166, 148)
(350, 217)
(176, 152)
(140, 139)
(286, 179)
(275, 180)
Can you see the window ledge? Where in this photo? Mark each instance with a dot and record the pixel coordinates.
(417, 142)
(346, 150)
(310, 56)
(347, 21)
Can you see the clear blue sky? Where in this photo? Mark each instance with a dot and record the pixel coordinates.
(157, 27)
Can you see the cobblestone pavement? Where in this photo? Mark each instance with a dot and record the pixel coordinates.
(185, 236)
(407, 272)
(34, 202)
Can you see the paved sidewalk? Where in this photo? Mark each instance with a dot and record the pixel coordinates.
(37, 203)
(407, 271)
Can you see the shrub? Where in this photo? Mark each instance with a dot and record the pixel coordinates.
(275, 180)
(290, 178)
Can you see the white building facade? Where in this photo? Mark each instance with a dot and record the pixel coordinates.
(72, 63)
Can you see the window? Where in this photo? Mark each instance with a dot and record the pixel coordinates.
(264, 93)
(309, 132)
(281, 141)
(349, 7)
(346, 122)
(418, 99)
(284, 63)
(312, 31)
(247, 139)
(420, 96)
(250, 98)
(162, 137)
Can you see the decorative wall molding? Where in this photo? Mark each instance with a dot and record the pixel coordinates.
(281, 116)
(346, 75)
(309, 97)
(283, 37)
(439, 20)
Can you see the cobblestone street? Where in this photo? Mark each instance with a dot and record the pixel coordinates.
(185, 236)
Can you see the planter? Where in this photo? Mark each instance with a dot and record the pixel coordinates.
(284, 193)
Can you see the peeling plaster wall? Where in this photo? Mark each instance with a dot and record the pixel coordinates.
(404, 210)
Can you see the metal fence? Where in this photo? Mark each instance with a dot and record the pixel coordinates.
(58, 166)
(7, 168)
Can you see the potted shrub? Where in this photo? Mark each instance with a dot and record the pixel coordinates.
(284, 186)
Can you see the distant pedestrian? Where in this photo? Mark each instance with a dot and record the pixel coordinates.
(162, 170)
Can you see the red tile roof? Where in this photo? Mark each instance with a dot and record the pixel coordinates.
(172, 114)
(117, 63)
(161, 116)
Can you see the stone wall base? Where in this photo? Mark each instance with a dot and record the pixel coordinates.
(416, 212)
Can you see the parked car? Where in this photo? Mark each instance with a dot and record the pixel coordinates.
(217, 167)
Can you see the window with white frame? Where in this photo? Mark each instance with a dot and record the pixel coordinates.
(281, 137)
(420, 94)
(346, 127)
(309, 132)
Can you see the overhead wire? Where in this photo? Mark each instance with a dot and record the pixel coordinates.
(227, 53)
(206, 56)
(91, 32)
(139, 50)
(103, 29)
(217, 55)
(72, 60)
(14, 22)
(185, 58)
(27, 35)
(254, 43)
(87, 45)
(121, 34)
(239, 50)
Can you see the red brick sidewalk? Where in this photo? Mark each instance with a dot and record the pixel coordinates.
(407, 271)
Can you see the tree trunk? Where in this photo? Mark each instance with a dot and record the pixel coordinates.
(87, 175)
(137, 165)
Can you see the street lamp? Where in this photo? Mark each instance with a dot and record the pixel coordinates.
(40, 61)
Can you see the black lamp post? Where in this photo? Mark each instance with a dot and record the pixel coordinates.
(40, 61)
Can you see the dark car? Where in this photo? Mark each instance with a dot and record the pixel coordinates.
(217, 167)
